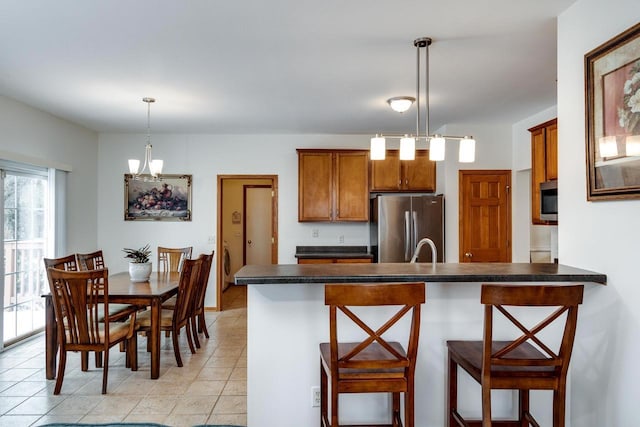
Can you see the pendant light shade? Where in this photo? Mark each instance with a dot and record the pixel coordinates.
(467, 153)
(407, 148)
(436, 149)
(378, 148)
(403, 103)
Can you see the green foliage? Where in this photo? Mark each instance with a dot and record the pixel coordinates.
(139, 256)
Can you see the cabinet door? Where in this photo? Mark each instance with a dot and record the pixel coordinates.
(385, 174)
(316, 260)
(419, 174)
(351, 186)
(551, 146)
(538, 172)
(315, 186)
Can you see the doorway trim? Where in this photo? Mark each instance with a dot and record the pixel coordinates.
(220, 239)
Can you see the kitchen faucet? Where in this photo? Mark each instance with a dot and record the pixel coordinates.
(434, 252)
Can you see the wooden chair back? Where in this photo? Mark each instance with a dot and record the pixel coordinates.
(340, 297)
(66, 263)
(186, 290)
(203, 281)
(565, 300)
(91, 261)
(171, 259)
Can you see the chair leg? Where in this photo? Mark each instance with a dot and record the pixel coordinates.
(486, 404)
(323, 395)
(192, 324)
(62, 362)
(176, 348)
(334, 402)
(202, 324)
(523, 408)
(452, 396)
(132, 352)
(105, 371)
(190, 338)
(98, 359)
(395, 409)
(559, 397)
(84, 360)
(409, 400)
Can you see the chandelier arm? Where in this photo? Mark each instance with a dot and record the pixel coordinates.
(418, 91)
(426, 88)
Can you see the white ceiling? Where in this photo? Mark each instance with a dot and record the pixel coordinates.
(276, 66)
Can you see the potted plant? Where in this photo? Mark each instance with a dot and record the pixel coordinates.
(139, 266)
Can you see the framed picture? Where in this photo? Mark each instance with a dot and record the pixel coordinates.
(166, 200)
(612, 80)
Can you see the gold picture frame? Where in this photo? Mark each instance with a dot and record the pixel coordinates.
(166, 200)
(612, 80)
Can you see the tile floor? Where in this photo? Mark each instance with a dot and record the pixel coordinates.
(210, 388)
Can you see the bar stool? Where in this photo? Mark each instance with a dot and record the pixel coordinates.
(528, 362)
(373, 365)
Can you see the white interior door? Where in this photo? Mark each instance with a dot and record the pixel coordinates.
(258, 217)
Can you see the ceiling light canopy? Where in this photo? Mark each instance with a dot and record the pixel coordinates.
(407, 142)
(154, 165)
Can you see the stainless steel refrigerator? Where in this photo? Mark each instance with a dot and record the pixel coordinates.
(398, 222)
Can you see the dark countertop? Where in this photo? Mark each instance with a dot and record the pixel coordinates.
(418, 272)
(314, 252)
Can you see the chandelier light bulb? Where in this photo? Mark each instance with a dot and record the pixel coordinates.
(633, 145)
(401, 103)
(608, 146)
(436, 149)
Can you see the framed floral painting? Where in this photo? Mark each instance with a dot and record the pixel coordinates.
(168, 199)
(612, 77)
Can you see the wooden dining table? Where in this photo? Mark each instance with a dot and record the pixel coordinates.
(160, 287)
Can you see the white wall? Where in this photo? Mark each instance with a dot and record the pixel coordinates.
(30, 135)
(205, 157)
(601, 236)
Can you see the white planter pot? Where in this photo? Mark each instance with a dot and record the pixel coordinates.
(139, 272)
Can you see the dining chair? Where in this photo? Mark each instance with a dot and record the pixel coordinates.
(374, 364)
(77, 298)
(178, 318)
(198, 321)
(66, 263)
(528, 362)
(91, 261)
(171, 259)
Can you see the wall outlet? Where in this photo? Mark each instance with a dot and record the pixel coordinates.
(315, 396)
(341, 239)
(314, 232)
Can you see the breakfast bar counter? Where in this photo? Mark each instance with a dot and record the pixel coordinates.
(287, 319)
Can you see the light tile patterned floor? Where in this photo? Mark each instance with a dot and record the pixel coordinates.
(210, 388)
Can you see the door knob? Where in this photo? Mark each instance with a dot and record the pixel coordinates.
(468, 254)
(249, 241)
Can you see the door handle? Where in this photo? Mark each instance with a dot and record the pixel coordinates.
(468, 254)
(249, 241)
(407, 237)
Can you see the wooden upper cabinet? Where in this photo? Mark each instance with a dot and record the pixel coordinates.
(393, 174)
(544, 163)
(333, 185)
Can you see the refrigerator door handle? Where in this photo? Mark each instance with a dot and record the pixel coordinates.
(407, 237)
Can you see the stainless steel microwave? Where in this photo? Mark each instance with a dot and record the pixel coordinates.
(549, 200)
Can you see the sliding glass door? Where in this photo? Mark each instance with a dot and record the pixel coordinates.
(25, 237)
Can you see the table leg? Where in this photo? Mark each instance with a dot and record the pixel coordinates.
(156, 308)
(50, 338)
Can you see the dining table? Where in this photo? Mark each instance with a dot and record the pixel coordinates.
(152, 293)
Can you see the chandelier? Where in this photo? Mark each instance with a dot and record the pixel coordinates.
(154, 165)
(408, 141)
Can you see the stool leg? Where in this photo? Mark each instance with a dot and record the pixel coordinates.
(323, 395)
(395, 409)
(409, 400)
(452, 397)
(523, 407)
(334, 401)
(486, 403)
(559, 397)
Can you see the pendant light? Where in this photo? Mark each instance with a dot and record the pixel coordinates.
(154, 165)
(407, 142)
